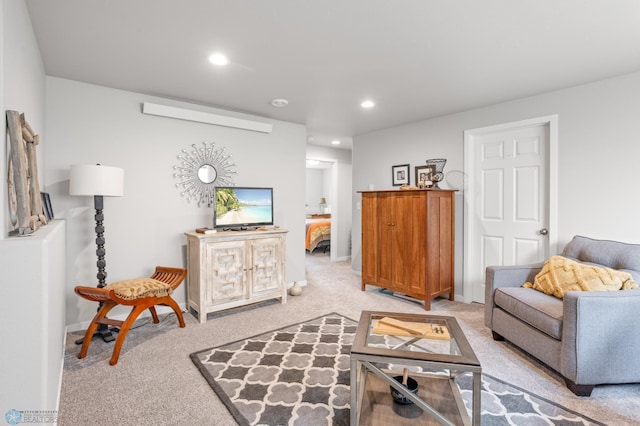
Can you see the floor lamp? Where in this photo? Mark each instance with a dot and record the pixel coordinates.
(98, 181)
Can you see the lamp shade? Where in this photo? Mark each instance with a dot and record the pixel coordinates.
(95, 179)
(323, 200)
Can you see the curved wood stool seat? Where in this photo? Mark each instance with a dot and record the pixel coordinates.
(171, 277)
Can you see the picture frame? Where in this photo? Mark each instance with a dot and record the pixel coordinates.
(46, 205)
(400, 175)
(424, 172)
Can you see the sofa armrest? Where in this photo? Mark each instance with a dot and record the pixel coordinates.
(599, 341)
(505, 276)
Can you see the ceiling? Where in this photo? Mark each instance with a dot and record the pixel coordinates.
(416, 59)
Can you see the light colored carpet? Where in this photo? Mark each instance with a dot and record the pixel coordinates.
(155, 382)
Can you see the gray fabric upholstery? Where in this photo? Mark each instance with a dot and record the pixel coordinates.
(587, 336)
(612, 254)
(537, 309)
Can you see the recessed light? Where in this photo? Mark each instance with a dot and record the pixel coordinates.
(218, 59)
(367, 104)
(279, 103)
(335, 142)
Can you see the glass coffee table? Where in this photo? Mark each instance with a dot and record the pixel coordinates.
(432, 349)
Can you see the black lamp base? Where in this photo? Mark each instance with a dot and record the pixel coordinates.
(104, 332)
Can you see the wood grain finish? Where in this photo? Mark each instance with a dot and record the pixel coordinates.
(408, 242)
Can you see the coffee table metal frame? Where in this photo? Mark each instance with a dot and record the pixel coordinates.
(363, 358)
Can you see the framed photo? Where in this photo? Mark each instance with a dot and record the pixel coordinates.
(400, 175)
(46, 205)
(423, 174)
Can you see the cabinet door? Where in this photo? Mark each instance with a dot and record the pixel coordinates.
(440, 244)
(385, 242)
(404, 237)
(369, 238)
(396, 240)
(225, 272)
(415, 254)
(267, 264)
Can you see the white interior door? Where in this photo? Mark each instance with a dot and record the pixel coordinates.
(510, 199)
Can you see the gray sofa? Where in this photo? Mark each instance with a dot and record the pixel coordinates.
(590, 338)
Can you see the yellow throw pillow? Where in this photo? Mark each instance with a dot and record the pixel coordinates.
(560, 274)
(139, 287)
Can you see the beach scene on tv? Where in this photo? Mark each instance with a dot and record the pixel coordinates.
(237, 206)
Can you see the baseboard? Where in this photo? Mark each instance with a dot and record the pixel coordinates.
(341, 259)
(64, 345)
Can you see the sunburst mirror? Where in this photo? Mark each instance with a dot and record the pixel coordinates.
(201, 170)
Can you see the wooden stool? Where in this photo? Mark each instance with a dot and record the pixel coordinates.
(141, 294)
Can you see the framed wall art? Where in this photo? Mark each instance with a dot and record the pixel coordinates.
(400, 175)
(423, 175)
(25, 203)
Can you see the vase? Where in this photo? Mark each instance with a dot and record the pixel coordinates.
(295, 289)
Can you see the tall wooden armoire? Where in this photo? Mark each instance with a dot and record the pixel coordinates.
(408, 242)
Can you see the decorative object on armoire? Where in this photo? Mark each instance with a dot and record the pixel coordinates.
(201, 170)
(400, 175)
(406, 187)
(141, 294)
(421, 265)
(98, 181)
(456, 179)
(295, 289)
(25, 205)
(437, 175)
(423, 176)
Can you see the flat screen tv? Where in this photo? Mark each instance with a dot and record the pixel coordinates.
(242, 207)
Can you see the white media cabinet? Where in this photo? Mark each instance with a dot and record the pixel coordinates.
(228, 269)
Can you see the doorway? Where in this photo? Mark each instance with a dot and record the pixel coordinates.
(320, 204)
(511, 201)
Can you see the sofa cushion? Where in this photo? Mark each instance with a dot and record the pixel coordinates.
(612, 254)
(561, 274)
(537, 309)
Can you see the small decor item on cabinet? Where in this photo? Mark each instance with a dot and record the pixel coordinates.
(437, 175)
(457, 179)
(201, 170)
(400, 175)
(423, 176)
(206, 231)
(295, 289)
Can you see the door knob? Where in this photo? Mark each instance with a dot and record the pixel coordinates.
(543, 231)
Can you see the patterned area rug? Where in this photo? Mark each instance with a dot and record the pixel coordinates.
(299, 375)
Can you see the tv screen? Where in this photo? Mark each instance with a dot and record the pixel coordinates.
(242, 207)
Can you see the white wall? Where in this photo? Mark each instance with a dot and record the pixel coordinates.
(340, 197)
(33, 312)
(598, 156)
(314, 190)
(22, 84)
(88, 124)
